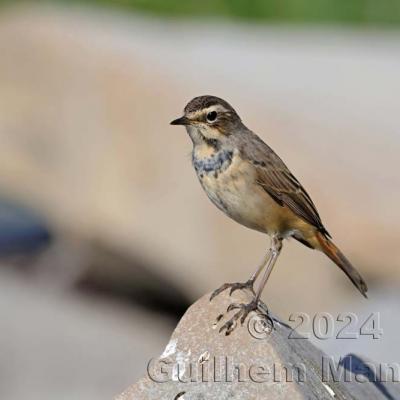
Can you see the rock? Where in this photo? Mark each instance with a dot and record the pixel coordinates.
(22, 232)
(253, 362)
(60, 341)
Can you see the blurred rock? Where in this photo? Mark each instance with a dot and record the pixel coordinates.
(132, 279)
(95, 268)
(69, 346)
(22, 233)
(201, 363)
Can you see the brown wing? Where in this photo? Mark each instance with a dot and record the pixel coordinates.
(276, 179)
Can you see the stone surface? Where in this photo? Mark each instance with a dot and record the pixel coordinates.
(199, 362)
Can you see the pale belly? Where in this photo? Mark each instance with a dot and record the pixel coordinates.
(236, 193)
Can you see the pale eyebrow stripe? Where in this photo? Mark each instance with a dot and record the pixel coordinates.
(215, 107)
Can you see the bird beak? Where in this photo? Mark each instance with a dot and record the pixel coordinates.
(181, 121)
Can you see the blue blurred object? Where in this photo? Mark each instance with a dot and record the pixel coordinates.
(21, 230)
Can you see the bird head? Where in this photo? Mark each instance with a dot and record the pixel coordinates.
(209, 119)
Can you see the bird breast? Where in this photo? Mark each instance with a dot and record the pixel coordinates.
(230, 183)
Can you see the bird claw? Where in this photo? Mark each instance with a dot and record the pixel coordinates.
(233, 287)
(244, 310)
(228, 326)
(233, 306)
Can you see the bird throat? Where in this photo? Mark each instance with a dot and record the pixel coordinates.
(212, 161)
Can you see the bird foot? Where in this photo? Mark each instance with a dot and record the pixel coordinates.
(241, 315)
(234, 286)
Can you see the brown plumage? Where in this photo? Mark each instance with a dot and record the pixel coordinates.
(247, 180)
(277, 180)
(329, 248)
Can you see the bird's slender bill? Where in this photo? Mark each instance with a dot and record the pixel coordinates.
(181, 121)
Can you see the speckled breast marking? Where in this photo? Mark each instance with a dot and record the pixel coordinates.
(214, 164)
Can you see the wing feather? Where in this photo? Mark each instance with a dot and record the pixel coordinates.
(277, 180)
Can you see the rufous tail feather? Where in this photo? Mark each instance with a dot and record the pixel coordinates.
(329, 248)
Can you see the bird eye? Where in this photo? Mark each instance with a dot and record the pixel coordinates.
(211, 116)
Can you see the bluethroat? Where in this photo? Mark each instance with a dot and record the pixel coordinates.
(248, 181)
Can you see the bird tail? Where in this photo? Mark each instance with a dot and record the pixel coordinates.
(329, 248)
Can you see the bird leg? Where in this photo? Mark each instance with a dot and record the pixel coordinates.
(245, 309)
(249, 284)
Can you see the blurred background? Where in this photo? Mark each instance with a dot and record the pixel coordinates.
(105, 234)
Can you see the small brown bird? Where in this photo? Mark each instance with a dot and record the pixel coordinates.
(245, 179)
